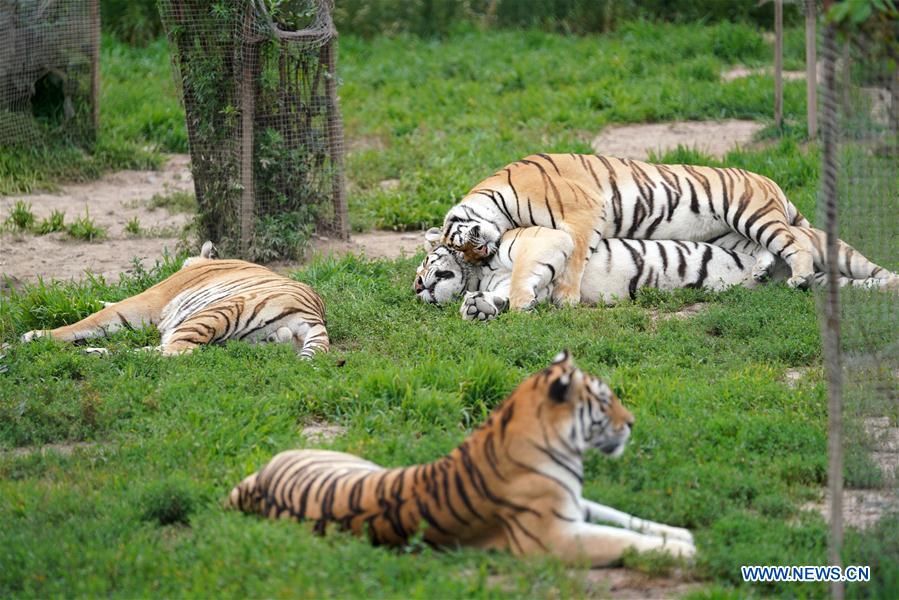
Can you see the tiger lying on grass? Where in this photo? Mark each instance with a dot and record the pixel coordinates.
(594, 197)
(211, 301)
(514, 484)
(530, 260)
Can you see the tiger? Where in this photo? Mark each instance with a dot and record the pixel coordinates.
(529, 260)
(210, 301)
(514, 484)
(592, 197)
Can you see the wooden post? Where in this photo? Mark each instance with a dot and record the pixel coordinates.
(830, 328)
(335, 139)
(811, 70)
(778, 63)
(95, 66)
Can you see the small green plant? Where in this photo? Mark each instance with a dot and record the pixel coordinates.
(21, 217)
(167, 503)
(175, 202)
(84, 228)
(55, 222)
(132, 227)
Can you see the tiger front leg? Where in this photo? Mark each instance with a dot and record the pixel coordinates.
(602, 545)
(595, 512)
(567, 290)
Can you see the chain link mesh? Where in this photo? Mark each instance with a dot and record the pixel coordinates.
(861, 113)
(266, 140)
(49, 51)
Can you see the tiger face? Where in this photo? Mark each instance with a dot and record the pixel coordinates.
(582, 410)
(477, 241)
(440, 277)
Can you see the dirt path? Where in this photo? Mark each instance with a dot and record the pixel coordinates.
(715, 138)
(111, 202)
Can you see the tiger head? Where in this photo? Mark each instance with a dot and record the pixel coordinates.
(476, 240)
(581, 410)
(443, 273)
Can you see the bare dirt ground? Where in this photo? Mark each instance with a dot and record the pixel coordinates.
(711, 137)
(110, 202)
(863, 508)
(627, 584)
(372, 244)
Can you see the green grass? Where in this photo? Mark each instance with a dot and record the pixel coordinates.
(55, 222)
(140, 118)
(20, 216)
(84, 228)
(722, 444)
(439, 115)
(174, 202)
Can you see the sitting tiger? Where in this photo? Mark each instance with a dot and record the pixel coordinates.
(211, 301)
(514, 484)
(594, 197)
(529, 260)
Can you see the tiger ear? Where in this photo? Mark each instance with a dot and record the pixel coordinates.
(566, 385)
(563, 358)
(569, 381)
(433, 237)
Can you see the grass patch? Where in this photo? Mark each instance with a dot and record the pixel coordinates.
(84, 228)
(440, 115)
(132, 227)
(168, 502)
(722, 445)
(174, 202)
(55, 222)
(20, 217)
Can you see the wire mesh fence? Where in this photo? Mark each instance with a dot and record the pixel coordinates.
(49, 70)
(860, 125)
(259, 87)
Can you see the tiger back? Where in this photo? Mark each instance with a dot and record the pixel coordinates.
(212, 301)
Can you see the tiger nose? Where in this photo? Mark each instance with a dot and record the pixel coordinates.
(418, 285)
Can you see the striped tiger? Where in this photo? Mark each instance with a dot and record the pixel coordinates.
(211, 301)
(514, 484)
(529, 260)
(594, 197)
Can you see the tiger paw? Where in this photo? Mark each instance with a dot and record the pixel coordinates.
(678, 533)
(764, 266)
(564, 297)
(800, 282)
(33, 335)
(680, 549)
(96, 351)
(479, 306)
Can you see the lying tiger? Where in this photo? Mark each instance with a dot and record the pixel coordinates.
(514, 484)
(212, 301)
(594, 197)
(530, 260)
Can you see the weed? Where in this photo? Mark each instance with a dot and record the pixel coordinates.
(84, 228)
(168, 502)
(55, 222)
(20, 217)
(174, 202)
(132, 227)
